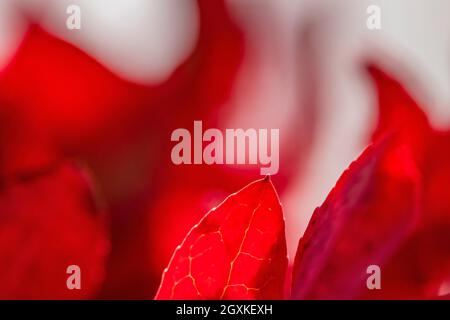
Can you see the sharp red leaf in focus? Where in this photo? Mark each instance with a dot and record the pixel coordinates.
(237, 251)
(362, 222)
(47, 223)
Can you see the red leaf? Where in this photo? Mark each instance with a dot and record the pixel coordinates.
(399, 113)
(380, 226)
(47, 223)
(370, 211)
(60, 87)
(420, 266)
(237, 251)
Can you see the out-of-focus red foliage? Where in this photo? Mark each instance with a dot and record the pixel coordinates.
(48, 222)
(398, 113)
(57, 101)
(421, 266)
(404, 227)
(372, 208)
(237, 251)
(56, 98)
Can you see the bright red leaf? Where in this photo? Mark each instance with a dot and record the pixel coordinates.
(397, 110)
(237, 251)
(63, 92)
(47, 223)
(220, 57)
(372, 208)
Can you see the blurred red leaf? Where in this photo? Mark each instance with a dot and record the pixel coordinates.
(47, 223)
(398, 112)
(237, 251)
(372, 208)
(421, 265)
(370, 217)
(65, 91)
(397, 109)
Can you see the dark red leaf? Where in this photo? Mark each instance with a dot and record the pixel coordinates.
(47, 223)
(372, 208)
(420, 267)
(237, 251)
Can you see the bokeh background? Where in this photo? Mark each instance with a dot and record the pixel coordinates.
(109, 95)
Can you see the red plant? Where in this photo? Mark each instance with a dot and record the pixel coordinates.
(57, 102)
(391, 208)
(237, 251)
(48, 222)
(364, 219)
